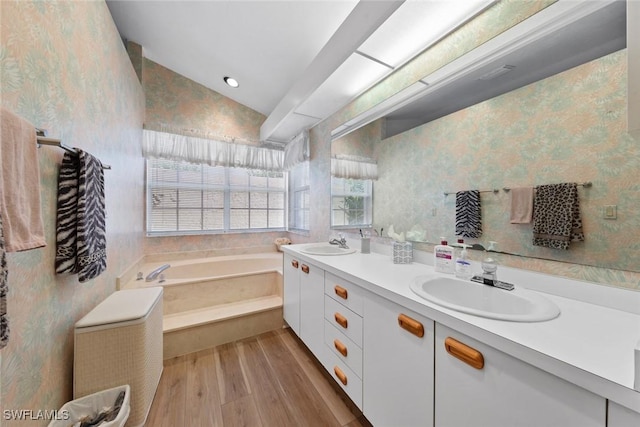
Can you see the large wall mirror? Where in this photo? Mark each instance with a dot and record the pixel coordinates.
(547, 107)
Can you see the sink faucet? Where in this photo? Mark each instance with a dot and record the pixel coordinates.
(490, 277)
(341, 243)
(489, 271)
(155, 273)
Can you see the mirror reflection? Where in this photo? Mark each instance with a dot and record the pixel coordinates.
(568, 125)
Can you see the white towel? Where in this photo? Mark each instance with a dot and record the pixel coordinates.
(521, 205)
(20, 184)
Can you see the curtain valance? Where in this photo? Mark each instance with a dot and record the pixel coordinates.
(297, 150)
(162, 145)
(354, 167)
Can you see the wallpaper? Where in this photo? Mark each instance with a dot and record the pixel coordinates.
(64, 68)
(181, 103)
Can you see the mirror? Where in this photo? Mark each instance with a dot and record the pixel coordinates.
(556, 115)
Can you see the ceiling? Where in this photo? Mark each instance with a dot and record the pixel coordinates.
(297, 62)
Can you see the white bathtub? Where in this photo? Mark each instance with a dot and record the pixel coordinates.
(213, 268)
(210, 301)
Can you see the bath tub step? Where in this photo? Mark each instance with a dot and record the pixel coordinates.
(218, 313)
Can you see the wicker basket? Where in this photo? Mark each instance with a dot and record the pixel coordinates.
(120, 342)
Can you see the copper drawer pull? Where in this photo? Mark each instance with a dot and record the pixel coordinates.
(341, 376)
(340, 291)
(468, 355)
(294, 263)
(411, 325)
(305, 268)
(341, 320)
(342, 349)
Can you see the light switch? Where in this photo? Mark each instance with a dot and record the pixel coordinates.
(610, 212)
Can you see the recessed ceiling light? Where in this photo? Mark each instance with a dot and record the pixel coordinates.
(231, 81)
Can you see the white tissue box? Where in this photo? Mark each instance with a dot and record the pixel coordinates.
(402, 253)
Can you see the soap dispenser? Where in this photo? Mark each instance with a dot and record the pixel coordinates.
(444, 258)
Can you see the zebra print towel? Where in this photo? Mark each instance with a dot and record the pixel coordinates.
(468, 217)
(556, 216)
(4, 290)
(80, 231)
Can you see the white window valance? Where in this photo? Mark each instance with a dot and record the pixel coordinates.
(354, 167)
(297, 150)
(162, 145)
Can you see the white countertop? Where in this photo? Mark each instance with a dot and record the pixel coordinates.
(589, 345)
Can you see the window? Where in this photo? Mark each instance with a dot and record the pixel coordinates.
(184, 198)
(351, 202)
(299, 197)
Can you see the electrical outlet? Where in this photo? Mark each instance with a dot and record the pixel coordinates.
(434, 211)
(610, 212)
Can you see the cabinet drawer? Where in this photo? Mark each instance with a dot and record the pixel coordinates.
(342, 373)
(343, 319)
(342, 346)
(345, 292)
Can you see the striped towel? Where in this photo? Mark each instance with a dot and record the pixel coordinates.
(556, 216)
(80, 231)
(4, 290)
(468, 215)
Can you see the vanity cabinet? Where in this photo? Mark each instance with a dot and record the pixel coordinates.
(398, 365)
(303, 304)
(620, 416)
(478, 385)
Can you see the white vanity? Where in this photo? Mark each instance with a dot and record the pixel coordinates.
(406, 361)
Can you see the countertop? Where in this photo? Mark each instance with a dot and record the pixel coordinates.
(589, 345)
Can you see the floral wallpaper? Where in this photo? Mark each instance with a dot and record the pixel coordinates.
(64, 68)
(181, 103)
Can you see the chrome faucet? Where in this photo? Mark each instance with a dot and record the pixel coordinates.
(341, 243)
(490, 277)
(155, 273)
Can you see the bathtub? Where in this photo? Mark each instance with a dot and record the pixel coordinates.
(211, 301)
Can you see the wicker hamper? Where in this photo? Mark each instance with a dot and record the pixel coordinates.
(120, 342)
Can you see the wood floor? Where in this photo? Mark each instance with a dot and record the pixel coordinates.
(268, 380)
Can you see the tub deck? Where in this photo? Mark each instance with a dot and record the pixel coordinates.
(213, 301)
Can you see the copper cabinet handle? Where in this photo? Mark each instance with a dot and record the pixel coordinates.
(340, 291)
(341, 320)
(294, 263)
(305, 268)
(411, 325)
(341, 376)
(461, 351)
(342, 349)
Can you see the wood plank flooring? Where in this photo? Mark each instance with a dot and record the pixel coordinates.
(268, 380)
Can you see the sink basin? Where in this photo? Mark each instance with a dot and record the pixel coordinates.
(519, 305)
(326, 249)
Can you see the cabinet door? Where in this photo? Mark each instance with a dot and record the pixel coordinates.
(500, 390)
(291, 293)
(312, 308)
(398, 365)
(620, 416)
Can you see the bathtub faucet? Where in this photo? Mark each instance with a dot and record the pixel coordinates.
(155, 273)
(341, 243)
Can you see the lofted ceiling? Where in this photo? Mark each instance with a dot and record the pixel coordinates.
(297, 62)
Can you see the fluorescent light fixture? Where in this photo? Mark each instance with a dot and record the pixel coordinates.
(231, 81)
(497, 72)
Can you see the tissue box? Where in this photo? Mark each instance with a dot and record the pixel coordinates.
(402, 253)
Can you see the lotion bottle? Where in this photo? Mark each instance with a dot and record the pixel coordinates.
(444, 261)
(463, 266)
